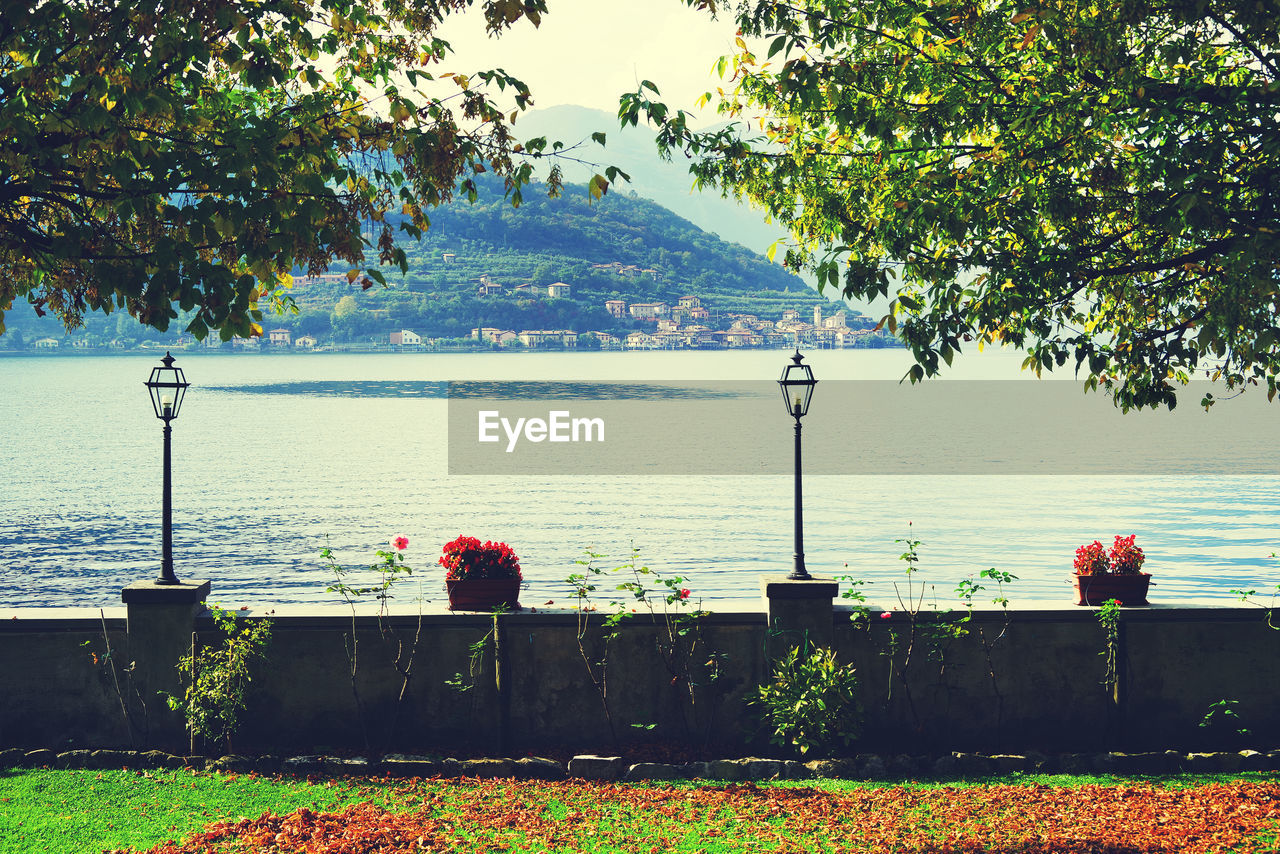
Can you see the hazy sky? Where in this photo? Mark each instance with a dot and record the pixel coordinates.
(588, 52)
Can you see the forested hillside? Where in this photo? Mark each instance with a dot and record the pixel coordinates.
(546, 241)
(618, 247)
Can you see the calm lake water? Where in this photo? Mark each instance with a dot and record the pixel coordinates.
(272, 460)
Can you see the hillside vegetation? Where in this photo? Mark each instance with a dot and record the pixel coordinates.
(652, 255)
(546, 241)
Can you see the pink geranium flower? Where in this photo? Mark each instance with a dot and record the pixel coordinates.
(399, 542)
(886, 615)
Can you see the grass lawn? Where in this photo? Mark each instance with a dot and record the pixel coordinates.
(93, 811)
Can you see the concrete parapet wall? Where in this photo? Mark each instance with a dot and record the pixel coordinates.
(55, 692)
(1033, 683)
(303, 696)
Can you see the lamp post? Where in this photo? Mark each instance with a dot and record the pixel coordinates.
(797, 384)
(167, 386)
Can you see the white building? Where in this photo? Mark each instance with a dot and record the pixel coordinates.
(649, 310)
(406, 338)
(534, 338)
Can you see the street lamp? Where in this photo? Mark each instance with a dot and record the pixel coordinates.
(797, 390)
(167, 387)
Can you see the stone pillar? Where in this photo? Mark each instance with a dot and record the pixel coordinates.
(161, 618)
(800, 610)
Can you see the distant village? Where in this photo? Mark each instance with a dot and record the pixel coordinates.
(689, 324)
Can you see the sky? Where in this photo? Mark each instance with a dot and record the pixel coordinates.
(588, 52)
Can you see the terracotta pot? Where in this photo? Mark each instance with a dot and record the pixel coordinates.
(1129, 589)
(483, 594)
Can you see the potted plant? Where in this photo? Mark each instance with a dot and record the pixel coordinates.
(1116, 574)
(481, 577)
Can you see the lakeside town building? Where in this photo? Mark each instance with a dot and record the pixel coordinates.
(536, 338)
(405, 338)
(649, 310)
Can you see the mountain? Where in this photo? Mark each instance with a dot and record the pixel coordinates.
(620, 247)
(666, 182)
(488, 264)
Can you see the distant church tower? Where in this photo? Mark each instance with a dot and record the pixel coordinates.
(817, 316)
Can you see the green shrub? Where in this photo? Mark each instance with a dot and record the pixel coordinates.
(811, 702)
(217, 679)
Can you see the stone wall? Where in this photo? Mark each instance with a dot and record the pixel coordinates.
(1030, 680)
(56, 691)
(1041, 686)
(304, 700)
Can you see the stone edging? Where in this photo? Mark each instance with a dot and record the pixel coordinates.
(867, 766)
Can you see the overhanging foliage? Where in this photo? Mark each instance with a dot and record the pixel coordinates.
(1094, 183)
(191, 154)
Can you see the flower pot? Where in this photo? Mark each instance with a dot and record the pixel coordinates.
(1129, 589)
(483, 594)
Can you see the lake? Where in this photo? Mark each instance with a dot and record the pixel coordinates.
(276, 455)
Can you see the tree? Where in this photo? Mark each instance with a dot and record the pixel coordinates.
(1091, 182)
(191, 154)
(312, 322)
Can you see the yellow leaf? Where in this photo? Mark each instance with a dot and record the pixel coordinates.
(598, 186)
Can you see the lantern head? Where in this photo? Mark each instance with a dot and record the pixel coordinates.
(797, 386)
(167, 386)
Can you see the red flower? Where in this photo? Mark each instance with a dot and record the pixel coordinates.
(465, 557)
(399, 542)
(1125, 556)
(1091, 559)
(886, 615)
(684, 594)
